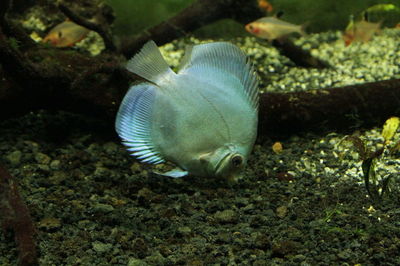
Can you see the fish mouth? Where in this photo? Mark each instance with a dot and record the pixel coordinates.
(218, 167)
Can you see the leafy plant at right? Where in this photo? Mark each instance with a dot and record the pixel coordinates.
(377, 186)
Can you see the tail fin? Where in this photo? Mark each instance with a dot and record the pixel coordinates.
(150, 64)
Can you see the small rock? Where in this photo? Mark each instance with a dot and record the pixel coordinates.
(136, 262)
(49, 223)
(184, 231)
(285, 247)
(156, 259)
(145, 195)
(42, 158)
(226, 216)
(300, 258)
(224, 237)
(140, 247)
(259, 220)
(43, 167)
(104, 208)
(248, 207)
(110, 147)
(93, 149)
(101, 172)
(14, 157)
(32, 146)
(101, 247)
(136, 168)
(345, 254)
(55, 164)
(281, 211)
(58, 177)
(285, 176)
(260, 240)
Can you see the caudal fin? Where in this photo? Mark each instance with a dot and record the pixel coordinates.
(150, 64)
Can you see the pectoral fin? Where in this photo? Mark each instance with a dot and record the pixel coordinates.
(174, 173)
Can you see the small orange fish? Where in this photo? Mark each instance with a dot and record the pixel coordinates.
(272, 28)
(361, 31)
(66, 34)
(397, 26)
(265, 5)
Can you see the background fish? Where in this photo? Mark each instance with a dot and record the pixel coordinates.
(272, 28)
(203, 119)
(361, 31)
(66, 34)
(265, 5)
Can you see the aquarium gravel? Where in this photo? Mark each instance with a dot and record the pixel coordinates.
(378, 59)
(94, 205)
(306, 205)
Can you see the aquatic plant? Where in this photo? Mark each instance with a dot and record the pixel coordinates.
(377, 186)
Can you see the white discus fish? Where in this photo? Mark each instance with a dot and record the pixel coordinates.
(203, 119)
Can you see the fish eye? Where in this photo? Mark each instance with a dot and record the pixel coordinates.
(237, 160)
(250, 27)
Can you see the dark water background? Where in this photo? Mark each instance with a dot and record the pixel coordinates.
(320, 15)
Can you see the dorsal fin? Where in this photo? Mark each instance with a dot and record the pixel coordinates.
(134, 122)
(223, 58)
(150, 64)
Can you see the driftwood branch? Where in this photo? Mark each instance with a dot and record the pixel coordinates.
(15, 216)
(341, 108)
(103, 31)
(297, 55)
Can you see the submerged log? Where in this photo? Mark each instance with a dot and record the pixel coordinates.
(341, 108)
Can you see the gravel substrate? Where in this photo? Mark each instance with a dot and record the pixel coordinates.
(379, 59)
(94, 205)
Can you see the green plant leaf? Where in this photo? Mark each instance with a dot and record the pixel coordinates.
(389, 128)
